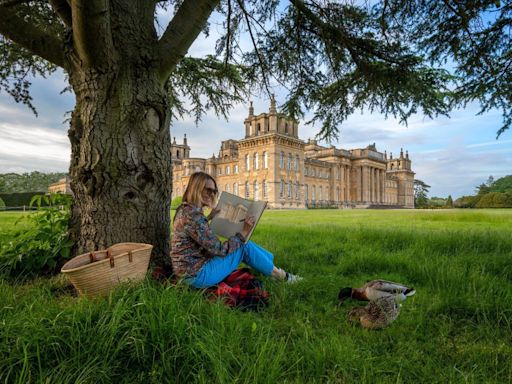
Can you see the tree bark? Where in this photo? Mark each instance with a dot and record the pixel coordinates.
(120, 163)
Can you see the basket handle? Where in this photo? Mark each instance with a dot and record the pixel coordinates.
(92, 257)
(130, 256)
(111, 257)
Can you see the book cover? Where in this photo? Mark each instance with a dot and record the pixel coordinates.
(232, 212)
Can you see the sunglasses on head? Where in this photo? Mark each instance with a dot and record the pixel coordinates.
(211, 191)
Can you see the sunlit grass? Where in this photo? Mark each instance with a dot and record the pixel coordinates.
(458, 327)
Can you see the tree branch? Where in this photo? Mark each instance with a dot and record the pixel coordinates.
(31, 38)
(91, 31)
(63, 10)
(182, 32)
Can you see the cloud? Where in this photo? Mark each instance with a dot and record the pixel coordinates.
(27, 148)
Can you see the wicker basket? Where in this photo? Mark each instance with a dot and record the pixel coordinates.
(97, 273)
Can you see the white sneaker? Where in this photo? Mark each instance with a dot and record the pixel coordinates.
(291, 278)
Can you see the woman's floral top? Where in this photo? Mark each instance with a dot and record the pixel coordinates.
(193, 242)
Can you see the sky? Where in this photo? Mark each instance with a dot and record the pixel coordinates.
(452, 155)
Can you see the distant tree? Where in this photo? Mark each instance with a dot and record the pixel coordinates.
(495, 200)
(466, 201)
(503, 184)
(420, 194)
(2, 205)
(449, 201)
(28, 182)
(436, 202)
(483, 188)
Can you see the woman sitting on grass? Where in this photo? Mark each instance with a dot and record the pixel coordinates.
(197, 254)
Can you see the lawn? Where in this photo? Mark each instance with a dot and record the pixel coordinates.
(458, 327)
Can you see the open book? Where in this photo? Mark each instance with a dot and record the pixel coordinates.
(233, 210)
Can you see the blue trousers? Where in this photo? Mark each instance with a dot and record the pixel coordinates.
(218, 268)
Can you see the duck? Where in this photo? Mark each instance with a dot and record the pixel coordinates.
(377, 313)
(376, 289)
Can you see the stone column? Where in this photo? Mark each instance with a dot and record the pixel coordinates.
(382, 185)
(378, 186)
(364, 183)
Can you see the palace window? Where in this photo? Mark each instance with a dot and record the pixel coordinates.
(297, 162)
(228, 170)
(247, 163)
(247, 190)
(297, 191)
(256, 161)
(320, 195)
(281, 189)
(256, 191)
(235, 168)
(289, 189)
(265, 160)
(281, 160)
(289, 161)
(226, 188)
(178, 153)
(306, 192)
(219, 171)
(235, 188)
(265, 190)
(313, 193)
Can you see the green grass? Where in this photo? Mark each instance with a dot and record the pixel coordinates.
(458, 327)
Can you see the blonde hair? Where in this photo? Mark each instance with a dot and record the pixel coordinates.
(195, 188)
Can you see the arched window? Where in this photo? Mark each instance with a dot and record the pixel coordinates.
(258, 128)
(235, 188)
(219, 171)
(256, 161)
(265, 190)
(320, 195)
(289, 189)
(297, 162)
(235, 168)
(178, 154)
(281, 160)
(247, 163)
(256, 191)
(247, 190)
(265, 160)
(286, 128)
(289, 161)
(228, 170)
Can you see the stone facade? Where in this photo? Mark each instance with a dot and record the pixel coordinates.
(61, 186)
(271, 163)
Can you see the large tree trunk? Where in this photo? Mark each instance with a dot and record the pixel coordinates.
(120, 150)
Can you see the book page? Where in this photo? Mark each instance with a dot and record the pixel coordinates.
(233, 210)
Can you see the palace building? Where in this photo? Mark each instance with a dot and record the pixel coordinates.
(272, 163)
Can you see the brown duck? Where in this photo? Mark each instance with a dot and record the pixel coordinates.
(378, 313)
(376, 289)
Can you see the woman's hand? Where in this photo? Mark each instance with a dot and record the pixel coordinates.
(214, 212)
(248, 224)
